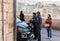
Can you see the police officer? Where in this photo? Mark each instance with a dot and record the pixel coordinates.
(34, 18)
(38, 24)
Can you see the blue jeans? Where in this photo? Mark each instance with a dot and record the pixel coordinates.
(49, 32)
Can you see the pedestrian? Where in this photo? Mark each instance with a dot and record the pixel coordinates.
(34, 18)
(38, 24)
(48, 24)
(21, 16)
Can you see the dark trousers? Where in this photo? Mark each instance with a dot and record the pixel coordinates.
(37, 34)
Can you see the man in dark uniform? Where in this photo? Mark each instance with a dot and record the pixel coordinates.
(34, 18)
(38, 24)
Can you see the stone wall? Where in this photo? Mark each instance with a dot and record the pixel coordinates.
(8, 20)
(55, 22)
(0, 21)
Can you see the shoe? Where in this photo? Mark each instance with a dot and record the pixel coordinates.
(50, 39)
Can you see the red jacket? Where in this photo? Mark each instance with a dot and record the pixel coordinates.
(49, 21)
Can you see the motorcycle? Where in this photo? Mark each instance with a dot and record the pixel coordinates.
(24, 30)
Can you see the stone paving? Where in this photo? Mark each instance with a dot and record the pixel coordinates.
(55, 36)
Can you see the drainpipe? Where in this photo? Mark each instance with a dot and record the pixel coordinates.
(2, 21)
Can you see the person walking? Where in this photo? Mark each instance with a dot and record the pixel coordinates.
(48, 23)
(21, 16)
(38, 25)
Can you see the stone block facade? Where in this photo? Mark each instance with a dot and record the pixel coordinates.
(55, 22)
(8, 20)
(0, 21)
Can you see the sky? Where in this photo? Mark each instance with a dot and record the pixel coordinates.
(35, 1)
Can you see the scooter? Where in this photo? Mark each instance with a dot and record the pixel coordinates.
(24, 30)
(25, 33)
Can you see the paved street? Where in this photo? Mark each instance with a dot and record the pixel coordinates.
(56, 35)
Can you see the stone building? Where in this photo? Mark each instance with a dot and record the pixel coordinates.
(6, 20)
(45, 9)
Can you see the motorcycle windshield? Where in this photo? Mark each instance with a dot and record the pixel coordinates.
(17, 20)
(21, 23)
